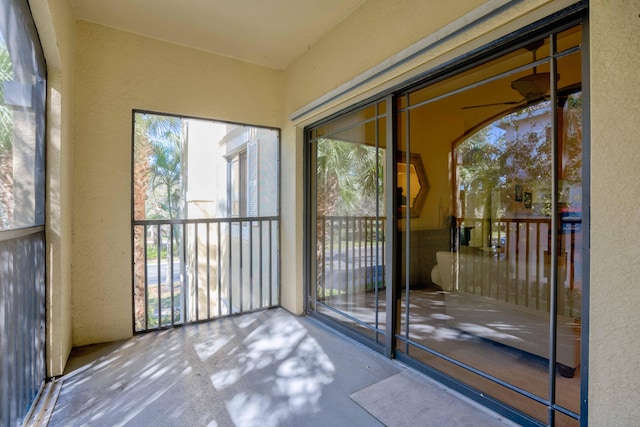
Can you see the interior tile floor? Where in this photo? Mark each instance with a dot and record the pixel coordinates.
(268, 368)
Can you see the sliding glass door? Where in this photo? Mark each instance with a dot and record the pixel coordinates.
(473, 262)
(347, 159)
(491, 285)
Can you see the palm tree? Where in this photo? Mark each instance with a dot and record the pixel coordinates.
(141, 178)
(157, 176)
(166, 177)
(349, 178)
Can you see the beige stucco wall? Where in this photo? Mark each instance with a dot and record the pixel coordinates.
(615, 214)
(376, 31)
(56, 27)
(115, 73)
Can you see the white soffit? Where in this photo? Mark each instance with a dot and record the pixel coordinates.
(271, 33)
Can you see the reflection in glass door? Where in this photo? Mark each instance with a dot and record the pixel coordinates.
(348, 158)
(491, 266)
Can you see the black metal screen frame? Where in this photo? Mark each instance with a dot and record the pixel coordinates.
(23, 267)
(274, 240)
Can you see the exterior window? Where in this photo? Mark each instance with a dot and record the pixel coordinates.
(238, 188)
(248, 175)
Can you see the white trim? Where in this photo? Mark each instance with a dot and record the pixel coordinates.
(16, 233)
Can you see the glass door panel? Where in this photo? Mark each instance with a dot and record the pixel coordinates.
(569, 257)
(348, 157)
(479, 284)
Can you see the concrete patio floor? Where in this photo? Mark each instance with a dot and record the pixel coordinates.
(268, 368)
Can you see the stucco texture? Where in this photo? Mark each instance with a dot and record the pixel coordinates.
(615, 214)
(370, 35)
(55, 22)
(115, 73)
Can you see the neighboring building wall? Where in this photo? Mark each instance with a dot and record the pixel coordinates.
(380, 29)
(205, 170)
(115, 73)
(55, 22)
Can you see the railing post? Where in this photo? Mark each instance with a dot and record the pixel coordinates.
(146, 281)
(208, 273)
(170, 277)
(159, 259)
(196, 282)
(260, 264)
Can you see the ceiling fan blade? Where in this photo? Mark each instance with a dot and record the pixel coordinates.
(493, 104)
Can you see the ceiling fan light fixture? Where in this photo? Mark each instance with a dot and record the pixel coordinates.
(533, 86)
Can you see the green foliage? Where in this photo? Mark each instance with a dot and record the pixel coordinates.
(6, 113)
(164, 136)
(152, 253)
(573, 144)
(349, 176)
(516, 150)
(481, 153)
(6, 142)
(326, 293)
(165, 304)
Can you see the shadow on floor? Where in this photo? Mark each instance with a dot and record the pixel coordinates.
(269, 368)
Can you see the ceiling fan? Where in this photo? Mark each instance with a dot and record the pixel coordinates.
(533, 87)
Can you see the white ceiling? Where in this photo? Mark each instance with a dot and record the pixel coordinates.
(272, 33)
